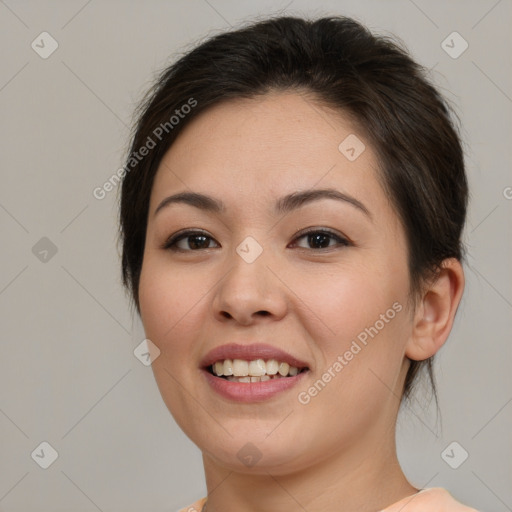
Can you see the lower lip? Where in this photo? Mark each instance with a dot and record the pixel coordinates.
(252, 391)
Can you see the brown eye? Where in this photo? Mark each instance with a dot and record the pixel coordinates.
(321, 239)
(189, 241)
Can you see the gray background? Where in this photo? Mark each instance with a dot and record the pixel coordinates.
(68, 373)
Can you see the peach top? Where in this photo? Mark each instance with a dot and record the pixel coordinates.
(434, 499)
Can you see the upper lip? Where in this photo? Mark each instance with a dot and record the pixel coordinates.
(249, 353)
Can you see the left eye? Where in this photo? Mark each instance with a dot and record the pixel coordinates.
(321, 239)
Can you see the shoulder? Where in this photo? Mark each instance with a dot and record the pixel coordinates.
(195, 507)
(434, 499)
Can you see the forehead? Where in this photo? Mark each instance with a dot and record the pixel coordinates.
(267, 147)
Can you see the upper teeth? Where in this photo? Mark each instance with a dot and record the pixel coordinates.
(256, 368)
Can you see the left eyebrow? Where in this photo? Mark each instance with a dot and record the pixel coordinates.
(298, 199)
(283, 205)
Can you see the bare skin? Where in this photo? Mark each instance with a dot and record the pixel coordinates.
(337, 451)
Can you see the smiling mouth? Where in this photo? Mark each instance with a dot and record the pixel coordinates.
(257, 370)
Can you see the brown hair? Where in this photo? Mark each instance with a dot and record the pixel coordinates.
(370, 78)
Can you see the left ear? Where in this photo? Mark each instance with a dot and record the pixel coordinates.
(434, 315)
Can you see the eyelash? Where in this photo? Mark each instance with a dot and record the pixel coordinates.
(170, 243)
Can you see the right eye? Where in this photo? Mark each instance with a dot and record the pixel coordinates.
(188, 241)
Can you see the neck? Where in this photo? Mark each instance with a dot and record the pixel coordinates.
(355, 480)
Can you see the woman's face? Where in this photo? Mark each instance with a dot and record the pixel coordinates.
(335, 301)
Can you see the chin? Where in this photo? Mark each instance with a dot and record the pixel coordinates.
(255, 452)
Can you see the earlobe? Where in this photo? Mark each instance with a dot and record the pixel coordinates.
(434, 316)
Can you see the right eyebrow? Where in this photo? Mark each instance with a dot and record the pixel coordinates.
(200, 201)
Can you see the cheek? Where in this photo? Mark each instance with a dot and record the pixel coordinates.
(170, 302)
(346, 301)
(358, 320)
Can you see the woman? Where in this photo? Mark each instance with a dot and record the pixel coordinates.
(291, 219)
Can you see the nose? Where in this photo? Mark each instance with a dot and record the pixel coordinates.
(249, 292)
